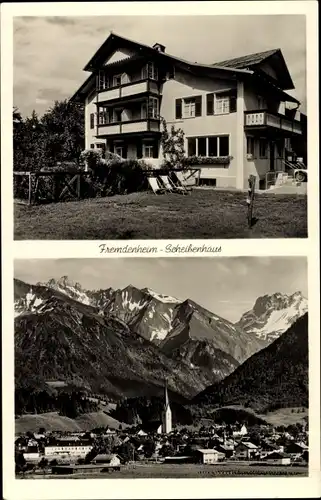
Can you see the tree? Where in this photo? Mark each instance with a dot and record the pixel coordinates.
(172, 144)
(20, 463)
(43, 464)
(57, 136)
(63, 127)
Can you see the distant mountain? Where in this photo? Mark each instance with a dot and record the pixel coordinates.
(272, 315)
(184, 331)
(277, 376)
(58, 338)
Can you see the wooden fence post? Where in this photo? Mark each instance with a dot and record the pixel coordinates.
(250, 199)
(30, 189)
(78, 186)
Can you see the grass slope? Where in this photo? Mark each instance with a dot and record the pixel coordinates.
(203, 214)
(51, 421)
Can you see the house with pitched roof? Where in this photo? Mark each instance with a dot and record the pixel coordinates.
(237, 116)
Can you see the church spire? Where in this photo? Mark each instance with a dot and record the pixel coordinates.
(167, 414)
(166, 395)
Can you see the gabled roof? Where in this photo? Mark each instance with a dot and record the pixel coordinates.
(248, 445)
(112, 43)
(248, 60)
(237, 68)
(253, 61)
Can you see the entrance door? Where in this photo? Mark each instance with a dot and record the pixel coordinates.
(272, 156)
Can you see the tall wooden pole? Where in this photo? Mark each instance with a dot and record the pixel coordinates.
(250, 199)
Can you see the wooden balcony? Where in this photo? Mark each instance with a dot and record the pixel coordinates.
(128, 91)
(128, 127)
(262, 119)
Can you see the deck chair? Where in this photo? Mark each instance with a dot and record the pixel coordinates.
(170, 186)
(181, 182)
(154, 184)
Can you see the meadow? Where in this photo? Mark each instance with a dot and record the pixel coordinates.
(202, 214)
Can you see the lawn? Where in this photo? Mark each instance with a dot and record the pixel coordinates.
(181, 471)
(202, 214)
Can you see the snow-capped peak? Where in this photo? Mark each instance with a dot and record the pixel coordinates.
(68, 287)
(166, 299)
(273, 314)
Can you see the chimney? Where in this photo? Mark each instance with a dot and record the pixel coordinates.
(159, 47)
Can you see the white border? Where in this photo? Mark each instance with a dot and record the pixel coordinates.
(158, 488)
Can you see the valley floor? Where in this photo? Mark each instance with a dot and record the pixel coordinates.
(143, 471)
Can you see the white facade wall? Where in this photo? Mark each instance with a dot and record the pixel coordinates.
(75, 451)
(186, 85)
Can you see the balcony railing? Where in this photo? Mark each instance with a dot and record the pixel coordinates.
(129, 127)
(128, 90)
(263, 118)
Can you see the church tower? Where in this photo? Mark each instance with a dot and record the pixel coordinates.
(167, 415)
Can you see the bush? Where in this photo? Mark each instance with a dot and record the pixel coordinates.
(112, 177)
(92, 157)
(206, 160)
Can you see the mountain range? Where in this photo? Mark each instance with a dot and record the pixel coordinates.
(127, 342)
(273, 378)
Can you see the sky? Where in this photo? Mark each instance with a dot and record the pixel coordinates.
(50, 52)
(227, 286)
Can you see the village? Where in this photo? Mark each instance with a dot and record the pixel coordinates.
(159, 442)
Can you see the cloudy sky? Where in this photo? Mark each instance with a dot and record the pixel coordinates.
(226, 286)
(50, 52)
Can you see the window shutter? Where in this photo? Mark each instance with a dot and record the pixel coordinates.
(155, 149)
(232, 104)
(210, 104)
(92, 120)
(198, 105)
(139, 150)
(125, 148)
(178, 114)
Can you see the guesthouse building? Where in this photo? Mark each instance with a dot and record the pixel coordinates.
(237, 116)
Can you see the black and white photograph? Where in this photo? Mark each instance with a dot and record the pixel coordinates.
(161, 367)
(159, 127)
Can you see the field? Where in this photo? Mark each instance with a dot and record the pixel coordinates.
(143, 471)
(53, 421)
(202, 214)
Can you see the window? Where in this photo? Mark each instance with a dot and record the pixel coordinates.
(250, 146)
(261, 102)
(212, 146)
(201, 146)
(103, 116)
(189, 108)
(92, 146)
(103, 81)
(153, 107)
(223, 144)
(150, 71)
(221, 103)
(119, 151)
(279, 148)
(117, 115)
(215, 146)
(207, 182)
(150, 149)
(263, 148)
(117, 80)
(147, 150)
(178, 109)
(191, 146)
(92, 120)
(192, 107)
